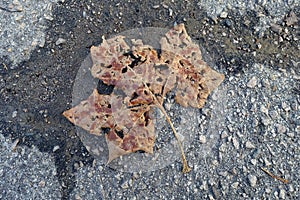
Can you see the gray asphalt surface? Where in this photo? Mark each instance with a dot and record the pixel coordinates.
(251, 123)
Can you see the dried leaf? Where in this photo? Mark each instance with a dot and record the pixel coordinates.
(179, 42)
(134, 130)
(142, 77)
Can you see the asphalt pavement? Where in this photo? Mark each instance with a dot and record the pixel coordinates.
(244, 143)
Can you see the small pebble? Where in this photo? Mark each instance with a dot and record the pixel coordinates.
(204, 186)
(267, 163)
(222, 148)
(230, 127)
(42, 183)
(252, 82)
(280, 128)
(14, 114)
(291, 134)
(235, 185)
(285, 106)
(215, 163)
(234, 171)
(165, 6)
(249, 145)
(253, 161)
(55, 148)
(263, 109)
(265, 121)
(282, 194)
(15, 144)
(60, 41)
(202, 139)
(259, 46)
(276, 28)
(125, 185)
(292, 19)
(235, 143)
(223, 15)
(170, 12)
(291, 188)
(168, 106)
(273, 114)
(90, 174)
(224, 135)
(215, 96)
(252, 180)
(78, 197)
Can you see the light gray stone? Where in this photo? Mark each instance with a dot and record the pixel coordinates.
(249, 145)
(252, 82)
(252, 180)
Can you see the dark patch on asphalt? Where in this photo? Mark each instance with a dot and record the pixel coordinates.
(41, 89)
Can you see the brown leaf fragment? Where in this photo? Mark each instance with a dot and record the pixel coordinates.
(109, 51)
(92, 114)
(191, 85)
(131, 129)
(275, 177)
(179, 42)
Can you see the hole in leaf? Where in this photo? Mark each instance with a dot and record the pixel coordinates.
(105, 130)
(159, 79)
(147, 118)
(134, 96)
(162, 67)
(203, 71)
(124, 70)
(134, 63)
(181, 63)
(201, 87)
(120, 134)
(158, 53)
(102, 88)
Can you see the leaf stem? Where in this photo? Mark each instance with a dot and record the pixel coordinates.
(186, 168)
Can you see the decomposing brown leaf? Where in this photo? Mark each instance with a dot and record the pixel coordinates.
(142, 77)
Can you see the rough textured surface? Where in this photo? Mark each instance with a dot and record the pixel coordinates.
(22, 29)
(259, 126)
(245, 144)
(26, 173)
(142, 78)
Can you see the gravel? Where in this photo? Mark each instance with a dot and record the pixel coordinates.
(269, 13)
(251, 122)
(233, 168)
(240, 152)
(87, 179)
(26, 173)
(22, 29)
